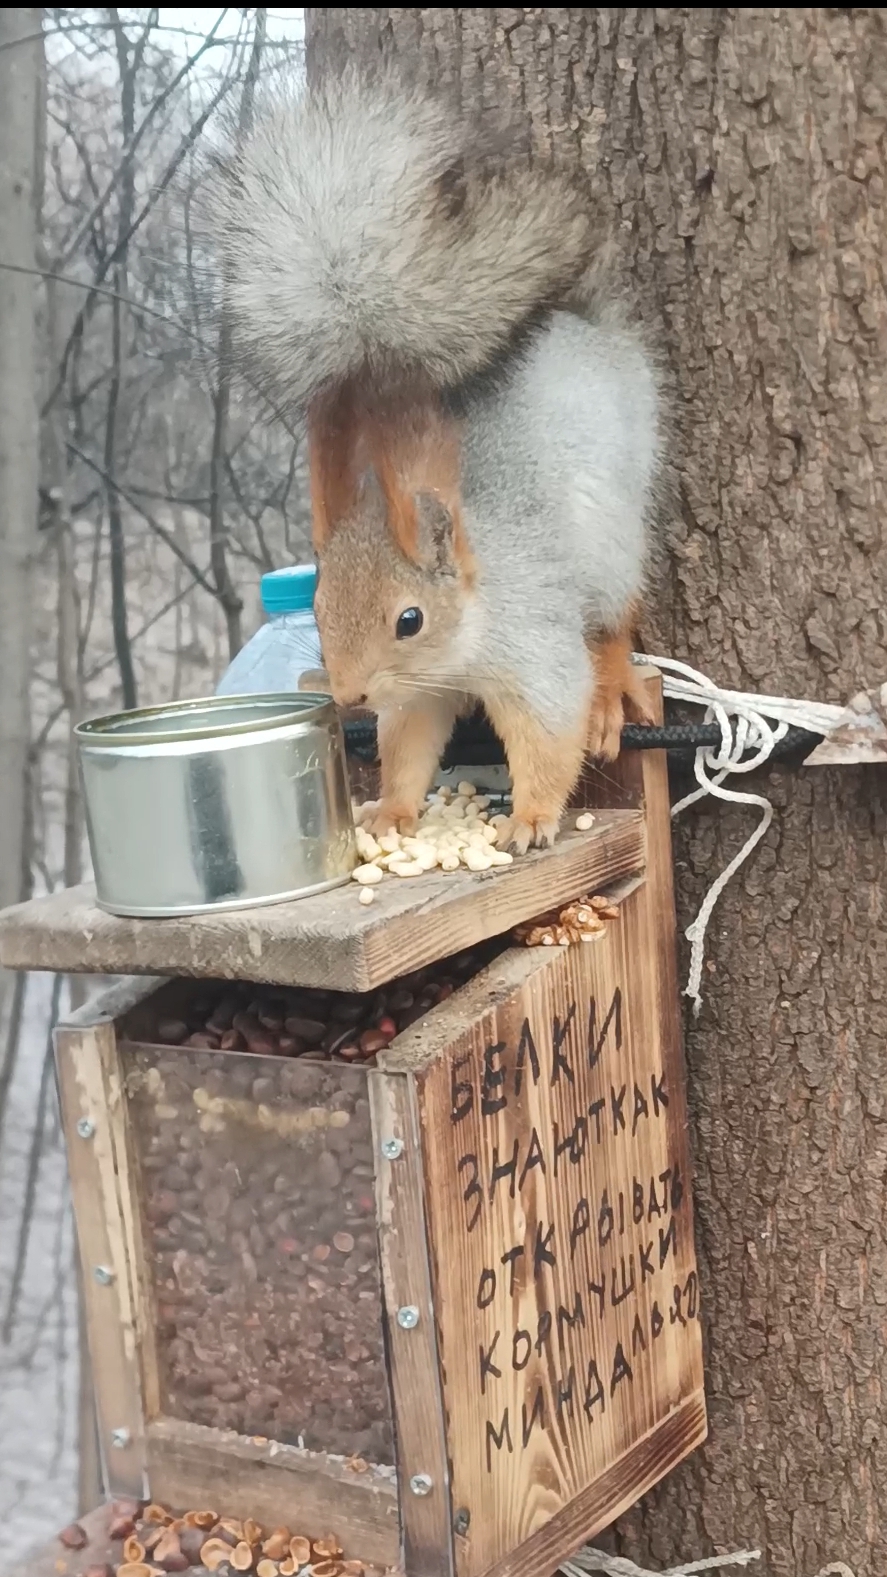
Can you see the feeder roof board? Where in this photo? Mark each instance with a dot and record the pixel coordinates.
(327, 940)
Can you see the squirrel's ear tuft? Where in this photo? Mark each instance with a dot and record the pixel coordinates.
(435, 533)
(441, 545)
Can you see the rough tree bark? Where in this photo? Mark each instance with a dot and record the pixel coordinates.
(742, 155)
(21, 55)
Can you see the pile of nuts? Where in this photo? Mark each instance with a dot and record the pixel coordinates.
(582, 921)
(258, 1200)
(455, 832)
(311, 1024)
(155, 1542)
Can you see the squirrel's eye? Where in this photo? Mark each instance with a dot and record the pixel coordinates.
(409, 623)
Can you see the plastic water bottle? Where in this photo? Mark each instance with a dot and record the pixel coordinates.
(287, 648)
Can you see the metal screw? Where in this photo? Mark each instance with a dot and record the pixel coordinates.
(461, 1520)
(103, 1275)
(421, 1484)
(120, 1438)
(86, 1128)
(392, 1149)
(408, 1317)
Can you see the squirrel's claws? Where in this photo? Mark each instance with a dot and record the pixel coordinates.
(519, 836)
(393, 818)
(605, 726)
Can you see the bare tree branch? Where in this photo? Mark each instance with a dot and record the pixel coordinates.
(131, 136)
(227, 596)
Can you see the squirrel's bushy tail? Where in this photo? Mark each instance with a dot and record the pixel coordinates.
(366, 230)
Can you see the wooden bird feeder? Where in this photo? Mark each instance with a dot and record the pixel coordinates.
(445, 1304)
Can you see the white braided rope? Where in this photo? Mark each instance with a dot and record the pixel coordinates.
(748, 723)
(590, 1559)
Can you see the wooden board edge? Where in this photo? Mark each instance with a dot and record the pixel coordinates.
(104, 1249)
(416, 1048)
(623, 1483)
(193, 1465)
(490, 906)
(59, 932)
(129, 1191)
(414, 1362)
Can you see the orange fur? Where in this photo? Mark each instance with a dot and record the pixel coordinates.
(332, 462)
(544, 768)
(618, 691)
(413, 448)
(412, 740)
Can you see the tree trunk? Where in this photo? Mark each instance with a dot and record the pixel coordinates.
(21, 55)
(741, 154)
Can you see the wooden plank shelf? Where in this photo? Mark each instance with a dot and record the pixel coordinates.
(329, 940)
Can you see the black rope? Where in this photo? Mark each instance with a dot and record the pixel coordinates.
(474, 743)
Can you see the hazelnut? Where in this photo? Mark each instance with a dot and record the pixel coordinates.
(269, 1568)
(74, 1537)
(127, 1507)
(155, 1513)
(213, 1553)
(168, 1552)
(300, 1551)
(328, 1548)
(373, 1040)
(242, 1557)
(192, 1541)
(133, 1550)
(276, 1546)
(201, 1519)
(252, 1531)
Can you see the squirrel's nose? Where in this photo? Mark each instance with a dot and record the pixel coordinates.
(345, 696)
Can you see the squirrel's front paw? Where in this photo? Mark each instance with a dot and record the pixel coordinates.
(391, 816)
(520, 835)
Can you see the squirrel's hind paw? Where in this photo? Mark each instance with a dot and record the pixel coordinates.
(620, 694)
(617, 700)
(605, 722)
(520, 836)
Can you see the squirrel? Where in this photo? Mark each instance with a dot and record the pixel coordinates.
(484, 440)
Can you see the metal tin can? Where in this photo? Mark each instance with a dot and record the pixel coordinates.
(216, 804)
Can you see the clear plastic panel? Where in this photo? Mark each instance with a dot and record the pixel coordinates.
(258, 1209)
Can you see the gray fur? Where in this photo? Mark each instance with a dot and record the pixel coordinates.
(561, 453)
(364, 230)
(560, 461)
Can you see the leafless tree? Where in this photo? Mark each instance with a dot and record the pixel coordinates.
(132, 538)
(21, 143)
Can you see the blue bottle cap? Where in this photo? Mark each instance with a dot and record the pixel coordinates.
(289, 590)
